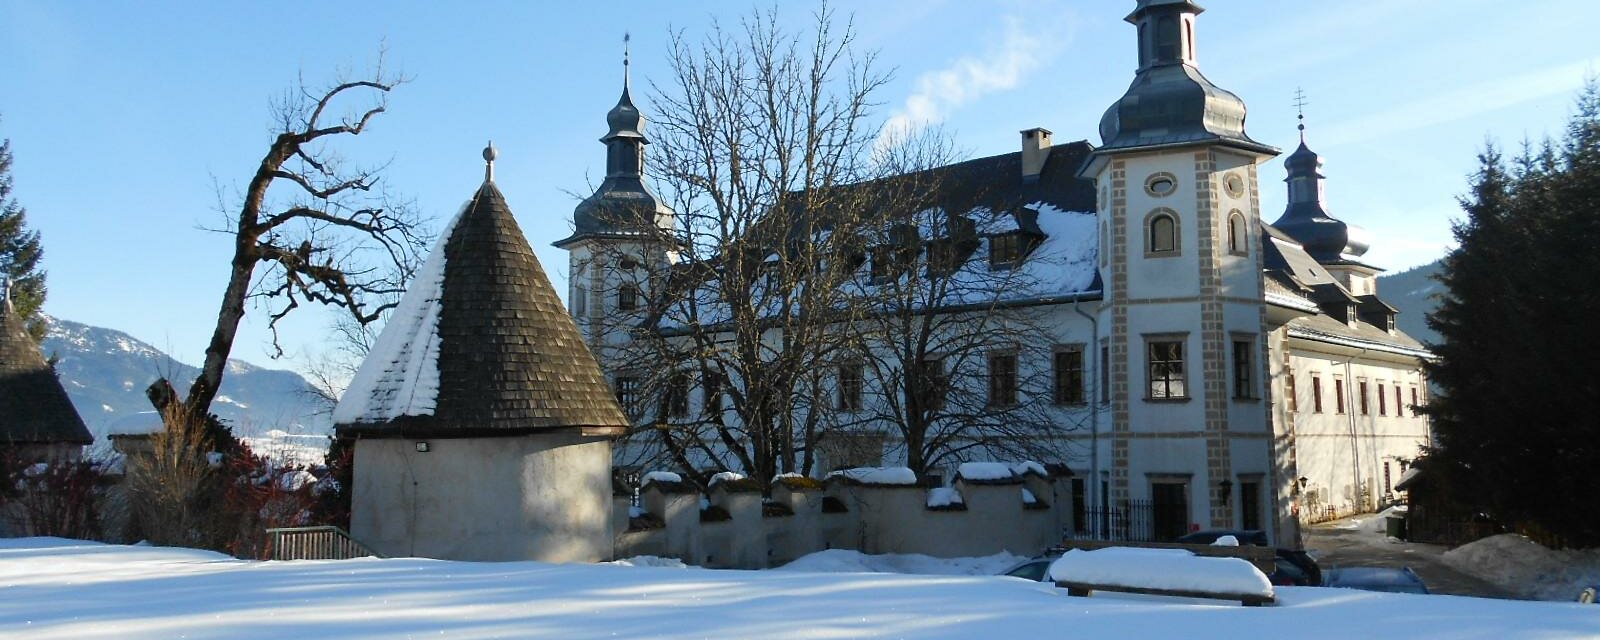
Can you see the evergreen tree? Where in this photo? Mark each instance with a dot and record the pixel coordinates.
(1517, 434)
(20, 252)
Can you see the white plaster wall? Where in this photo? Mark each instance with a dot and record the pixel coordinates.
(541, 497)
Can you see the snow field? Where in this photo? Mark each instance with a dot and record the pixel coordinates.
(70, 589)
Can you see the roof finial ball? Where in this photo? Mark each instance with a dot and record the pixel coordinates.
(489, 154)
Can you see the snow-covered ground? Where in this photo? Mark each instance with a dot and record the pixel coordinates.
(846, 561)
(52, 588)
(1527, 569)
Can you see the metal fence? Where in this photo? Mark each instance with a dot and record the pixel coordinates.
(1132, 521)
(314, 543)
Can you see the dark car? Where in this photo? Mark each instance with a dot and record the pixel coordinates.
(1384, 579)
(1294, 567)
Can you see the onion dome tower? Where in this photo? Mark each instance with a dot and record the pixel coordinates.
(482, 423)
(36, 416)
(623, 205)
(1306, 218)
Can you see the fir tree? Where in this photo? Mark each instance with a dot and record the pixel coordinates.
(1518, 436)
(20, 252)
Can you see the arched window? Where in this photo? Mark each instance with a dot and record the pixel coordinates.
(1238, 234)
(1161, 233)
(1188, 40)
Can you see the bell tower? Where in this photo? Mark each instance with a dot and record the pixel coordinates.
(623, 232)
(1178, 201)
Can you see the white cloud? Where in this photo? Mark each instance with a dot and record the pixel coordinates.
(1003, 66)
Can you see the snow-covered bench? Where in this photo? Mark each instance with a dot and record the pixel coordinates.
(1162, 572)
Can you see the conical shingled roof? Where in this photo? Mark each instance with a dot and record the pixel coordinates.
(34, 409)
(507, 359)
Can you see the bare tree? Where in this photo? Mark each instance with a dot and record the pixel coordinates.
(757, 128)
(309, 228)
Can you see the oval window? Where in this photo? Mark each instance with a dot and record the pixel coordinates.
(1161, 184)
(1234, 185)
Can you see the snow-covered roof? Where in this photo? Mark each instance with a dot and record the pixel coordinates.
(480, 345)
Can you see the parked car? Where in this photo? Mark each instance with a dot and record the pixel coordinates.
(1294, 567)
(1385, 579)
(1036, 569)
(1253, 537)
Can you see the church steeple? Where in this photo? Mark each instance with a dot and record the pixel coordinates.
(1306, 218)
(623, 204)
(1170, 103)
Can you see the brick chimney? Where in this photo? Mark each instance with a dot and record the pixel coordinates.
(1035, 150)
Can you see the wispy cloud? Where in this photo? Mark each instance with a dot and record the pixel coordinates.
(1003, 65)
(1465, 102)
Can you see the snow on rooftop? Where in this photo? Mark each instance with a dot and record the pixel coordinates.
(136, 424)
(57, 588)
(985, 471)
(1173, 569)
(724, 476)
(943, 497)
(659, 476)
(400, 376)
(878, 475)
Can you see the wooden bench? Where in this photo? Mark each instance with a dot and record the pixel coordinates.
(1264, 559)
(1084, 590)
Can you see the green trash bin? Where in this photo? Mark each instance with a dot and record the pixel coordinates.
(1396, 527)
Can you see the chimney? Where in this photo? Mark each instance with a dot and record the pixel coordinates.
(1035, 149)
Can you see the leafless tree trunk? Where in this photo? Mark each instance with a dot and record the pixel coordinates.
(310, 229)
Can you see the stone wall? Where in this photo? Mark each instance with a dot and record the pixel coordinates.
(740, 529)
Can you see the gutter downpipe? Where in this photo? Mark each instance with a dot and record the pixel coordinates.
(1093, 481)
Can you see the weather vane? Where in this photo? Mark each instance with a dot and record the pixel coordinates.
(1300, 106)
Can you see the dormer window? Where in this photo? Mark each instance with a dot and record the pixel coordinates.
(1005, 251)
(943, 257)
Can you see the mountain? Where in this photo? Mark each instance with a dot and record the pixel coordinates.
(105, 372)
(1415, 293)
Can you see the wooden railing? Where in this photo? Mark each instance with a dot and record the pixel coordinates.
(314, 543)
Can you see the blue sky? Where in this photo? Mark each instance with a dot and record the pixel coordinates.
(125, 118)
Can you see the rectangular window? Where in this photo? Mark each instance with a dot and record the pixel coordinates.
(1166, 369)
(1290, 401)
(1249, 505)
(1069, 376)
(942, 257)
(1005, 251)
(1397, 401)
(1080, 507)
(675, 398)
(628, 297)
(580, 302)
(1243, 378)
(1316, 394)
(1105, 374)
(850, 382)
(1383, 401)
(933, 384)
(1002, 379)
(628, 394)
(711, 391)
(1338, 395)
(1414, 402)
(1361, 387)
(1387, 487)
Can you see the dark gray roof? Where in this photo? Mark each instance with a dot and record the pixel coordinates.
(1171, 103)
(34, 409)
(1327, 239)
(511, 360)
(623, 205)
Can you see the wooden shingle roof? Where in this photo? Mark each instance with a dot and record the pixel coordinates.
(510, 359)
(34, 409)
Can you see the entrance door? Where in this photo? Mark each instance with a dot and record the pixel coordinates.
(1170, 501)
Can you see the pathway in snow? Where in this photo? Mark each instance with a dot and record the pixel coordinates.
(1354, 542)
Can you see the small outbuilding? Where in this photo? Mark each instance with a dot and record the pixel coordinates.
(482, 424)
(37, 419)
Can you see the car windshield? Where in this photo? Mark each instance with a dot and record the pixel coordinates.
(1032, 571)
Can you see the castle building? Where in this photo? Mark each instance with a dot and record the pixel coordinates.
(1223, 371)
